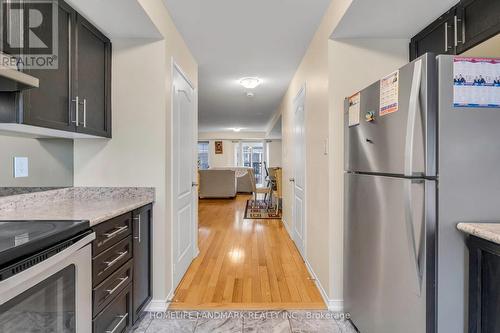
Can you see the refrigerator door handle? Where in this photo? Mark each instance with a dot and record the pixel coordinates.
(414, 107)
(416, 256)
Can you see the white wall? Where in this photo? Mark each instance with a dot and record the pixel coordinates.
(50, 161)
(313, 73)
(226, 159)
(139, 152)
(330, 71)
(353, 65)
(231, 135)
(274, 153)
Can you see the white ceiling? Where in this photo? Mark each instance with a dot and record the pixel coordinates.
(231, 39)
(114, 17)
(389, 18)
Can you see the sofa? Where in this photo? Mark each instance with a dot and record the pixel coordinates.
(217, 184)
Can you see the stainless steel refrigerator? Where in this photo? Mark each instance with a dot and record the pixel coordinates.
(411, 176)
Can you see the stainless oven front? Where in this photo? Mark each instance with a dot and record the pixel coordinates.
(53, 295)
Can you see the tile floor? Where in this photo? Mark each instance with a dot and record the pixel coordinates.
(244, 322)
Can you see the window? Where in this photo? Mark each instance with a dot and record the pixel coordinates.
(252, 155)
(203, 155)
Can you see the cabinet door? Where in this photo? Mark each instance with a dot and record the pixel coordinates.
(93, 86)
(50, 105)
(142, 259)
(478, 20)
(437, 37)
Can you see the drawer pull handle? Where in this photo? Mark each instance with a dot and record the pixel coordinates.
(112, 262)
(122, 319)
(122, 282)
(110, 235)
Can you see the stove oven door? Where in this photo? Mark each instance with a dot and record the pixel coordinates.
(51, 296)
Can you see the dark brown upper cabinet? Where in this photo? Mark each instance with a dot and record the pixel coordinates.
(93, 80)
(477, 21)
(50, 105)
(75, 97)
(436, 38)
(459, 29)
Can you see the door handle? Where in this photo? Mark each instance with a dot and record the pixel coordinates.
(414, 106)
(415, 254)
(292, 180)
(193, 184)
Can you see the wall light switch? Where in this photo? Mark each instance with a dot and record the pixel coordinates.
(20, 167)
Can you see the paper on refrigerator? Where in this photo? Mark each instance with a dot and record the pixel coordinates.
(389, 94)
(354, 109)
(476, 82)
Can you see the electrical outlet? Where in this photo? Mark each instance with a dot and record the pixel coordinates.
(20, 167)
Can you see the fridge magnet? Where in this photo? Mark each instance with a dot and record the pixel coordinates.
(389, 94)
(354, 109)
(218, 147)
(476, 82)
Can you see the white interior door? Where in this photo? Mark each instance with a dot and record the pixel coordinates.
(299, 228)
(184, 181)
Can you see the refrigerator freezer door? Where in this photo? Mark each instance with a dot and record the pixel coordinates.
(469, 191)
(398, 143)
(386, 243)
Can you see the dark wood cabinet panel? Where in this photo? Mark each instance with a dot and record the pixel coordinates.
(121, 257)
(461, 28)
(76, 96)
(437, 38)
(116, 317)
(50, 104)
(478, 20)
(484, 286)
(93, 66)
(142, 259)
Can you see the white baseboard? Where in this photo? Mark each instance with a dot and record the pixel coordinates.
(160, 305)
(332, 304)
(336, 305)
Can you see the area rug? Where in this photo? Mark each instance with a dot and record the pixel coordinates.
(258, 210)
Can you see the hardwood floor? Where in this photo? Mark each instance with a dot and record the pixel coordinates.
(244, 264)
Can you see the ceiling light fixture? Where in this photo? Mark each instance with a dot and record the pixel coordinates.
(236, 129)
(250, 94)
(250, 82)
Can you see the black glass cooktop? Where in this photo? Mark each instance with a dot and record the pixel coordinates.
(19, 239)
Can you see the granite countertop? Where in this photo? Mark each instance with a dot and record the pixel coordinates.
(95, 204)
(488, 231)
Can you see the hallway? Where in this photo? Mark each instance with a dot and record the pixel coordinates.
(244, 264)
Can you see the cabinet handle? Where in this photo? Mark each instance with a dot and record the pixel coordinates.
(77, 104)
(122, 319)
(459, 30)
(115, 233)
(138, 219)
(114, 261)
(84, 112)
(122, 282)
(446, 46)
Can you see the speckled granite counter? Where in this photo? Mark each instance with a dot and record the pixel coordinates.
(488, 231)
(95, 204)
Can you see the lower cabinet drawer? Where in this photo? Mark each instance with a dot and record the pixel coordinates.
(116, 317)
(110, 260)
(112, 286)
